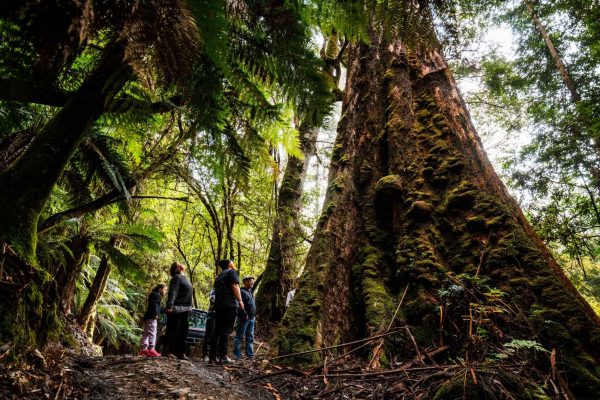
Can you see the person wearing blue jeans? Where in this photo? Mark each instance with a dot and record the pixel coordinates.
(246, 319)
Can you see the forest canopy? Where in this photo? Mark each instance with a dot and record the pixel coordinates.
(324, 146)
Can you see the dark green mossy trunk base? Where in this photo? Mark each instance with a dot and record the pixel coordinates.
(489, 386)
(28, 313)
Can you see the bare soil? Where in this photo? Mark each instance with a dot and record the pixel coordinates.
(135, 377)
(60, 374)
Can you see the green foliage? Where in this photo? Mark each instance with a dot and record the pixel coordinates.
(229, 78)
(117, 322)
(584, 272)
(519, 347)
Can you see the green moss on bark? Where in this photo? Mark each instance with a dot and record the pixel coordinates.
(378, 301)
(29, 315)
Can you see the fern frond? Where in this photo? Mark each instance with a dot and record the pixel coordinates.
(162, 36)
(126, 265)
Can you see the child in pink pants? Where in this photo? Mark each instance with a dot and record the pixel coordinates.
(151, 322)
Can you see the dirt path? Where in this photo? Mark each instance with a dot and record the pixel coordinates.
(133, 377)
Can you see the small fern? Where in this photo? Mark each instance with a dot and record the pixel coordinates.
(524, 344)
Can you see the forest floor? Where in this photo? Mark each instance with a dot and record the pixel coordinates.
(125, 377)
(63, 373)
(59, 373)
(135, 377)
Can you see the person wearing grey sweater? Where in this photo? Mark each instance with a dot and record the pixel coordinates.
(178, 308)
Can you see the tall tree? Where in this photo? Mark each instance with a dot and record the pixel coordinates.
(414, 203)
(86, 314)
(282, 263)
(66, 278)
(282, 266)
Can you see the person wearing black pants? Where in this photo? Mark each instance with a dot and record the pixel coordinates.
(227, 301)
(209, 327)
(179, 306)
(177, 330)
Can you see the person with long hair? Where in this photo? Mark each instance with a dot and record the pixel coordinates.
(178, 308)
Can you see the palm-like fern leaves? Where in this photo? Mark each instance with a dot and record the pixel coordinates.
(96, 168)
(162, 36)
(134, 239)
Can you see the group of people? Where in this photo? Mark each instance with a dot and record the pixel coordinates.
(228, 302)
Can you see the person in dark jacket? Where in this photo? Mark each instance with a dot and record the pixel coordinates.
(150, 321)
(210, 326)
(227, 301)
(246, 321)
(178, 308)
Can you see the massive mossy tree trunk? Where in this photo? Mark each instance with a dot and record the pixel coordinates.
(413, 202)
(281, 269)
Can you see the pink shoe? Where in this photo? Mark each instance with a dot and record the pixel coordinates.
(143, 352)
(152, 353)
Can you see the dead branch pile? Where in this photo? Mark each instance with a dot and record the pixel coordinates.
(351, 377)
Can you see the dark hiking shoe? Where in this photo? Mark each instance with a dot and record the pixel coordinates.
(212, 361)
(225, 361)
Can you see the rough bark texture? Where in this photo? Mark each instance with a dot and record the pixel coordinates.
(278, 277)
(89, 307)
(414, 202)
(28, 298)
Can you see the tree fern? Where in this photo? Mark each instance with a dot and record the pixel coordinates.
(143, 238)
(126, 265)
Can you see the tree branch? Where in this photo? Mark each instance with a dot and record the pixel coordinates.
(29, 91)
(32, 92)
(95, 205)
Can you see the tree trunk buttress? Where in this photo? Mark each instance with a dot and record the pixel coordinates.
(413, 202)
(27, 184)
(281, 269)
(98, 286)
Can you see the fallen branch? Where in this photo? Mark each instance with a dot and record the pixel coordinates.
(5, 349)
(273, 391)
(387, 372)
(412, 338)
(341, 356)
(404, 368)
(271, 374)
(62, 381)
(337, 345)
